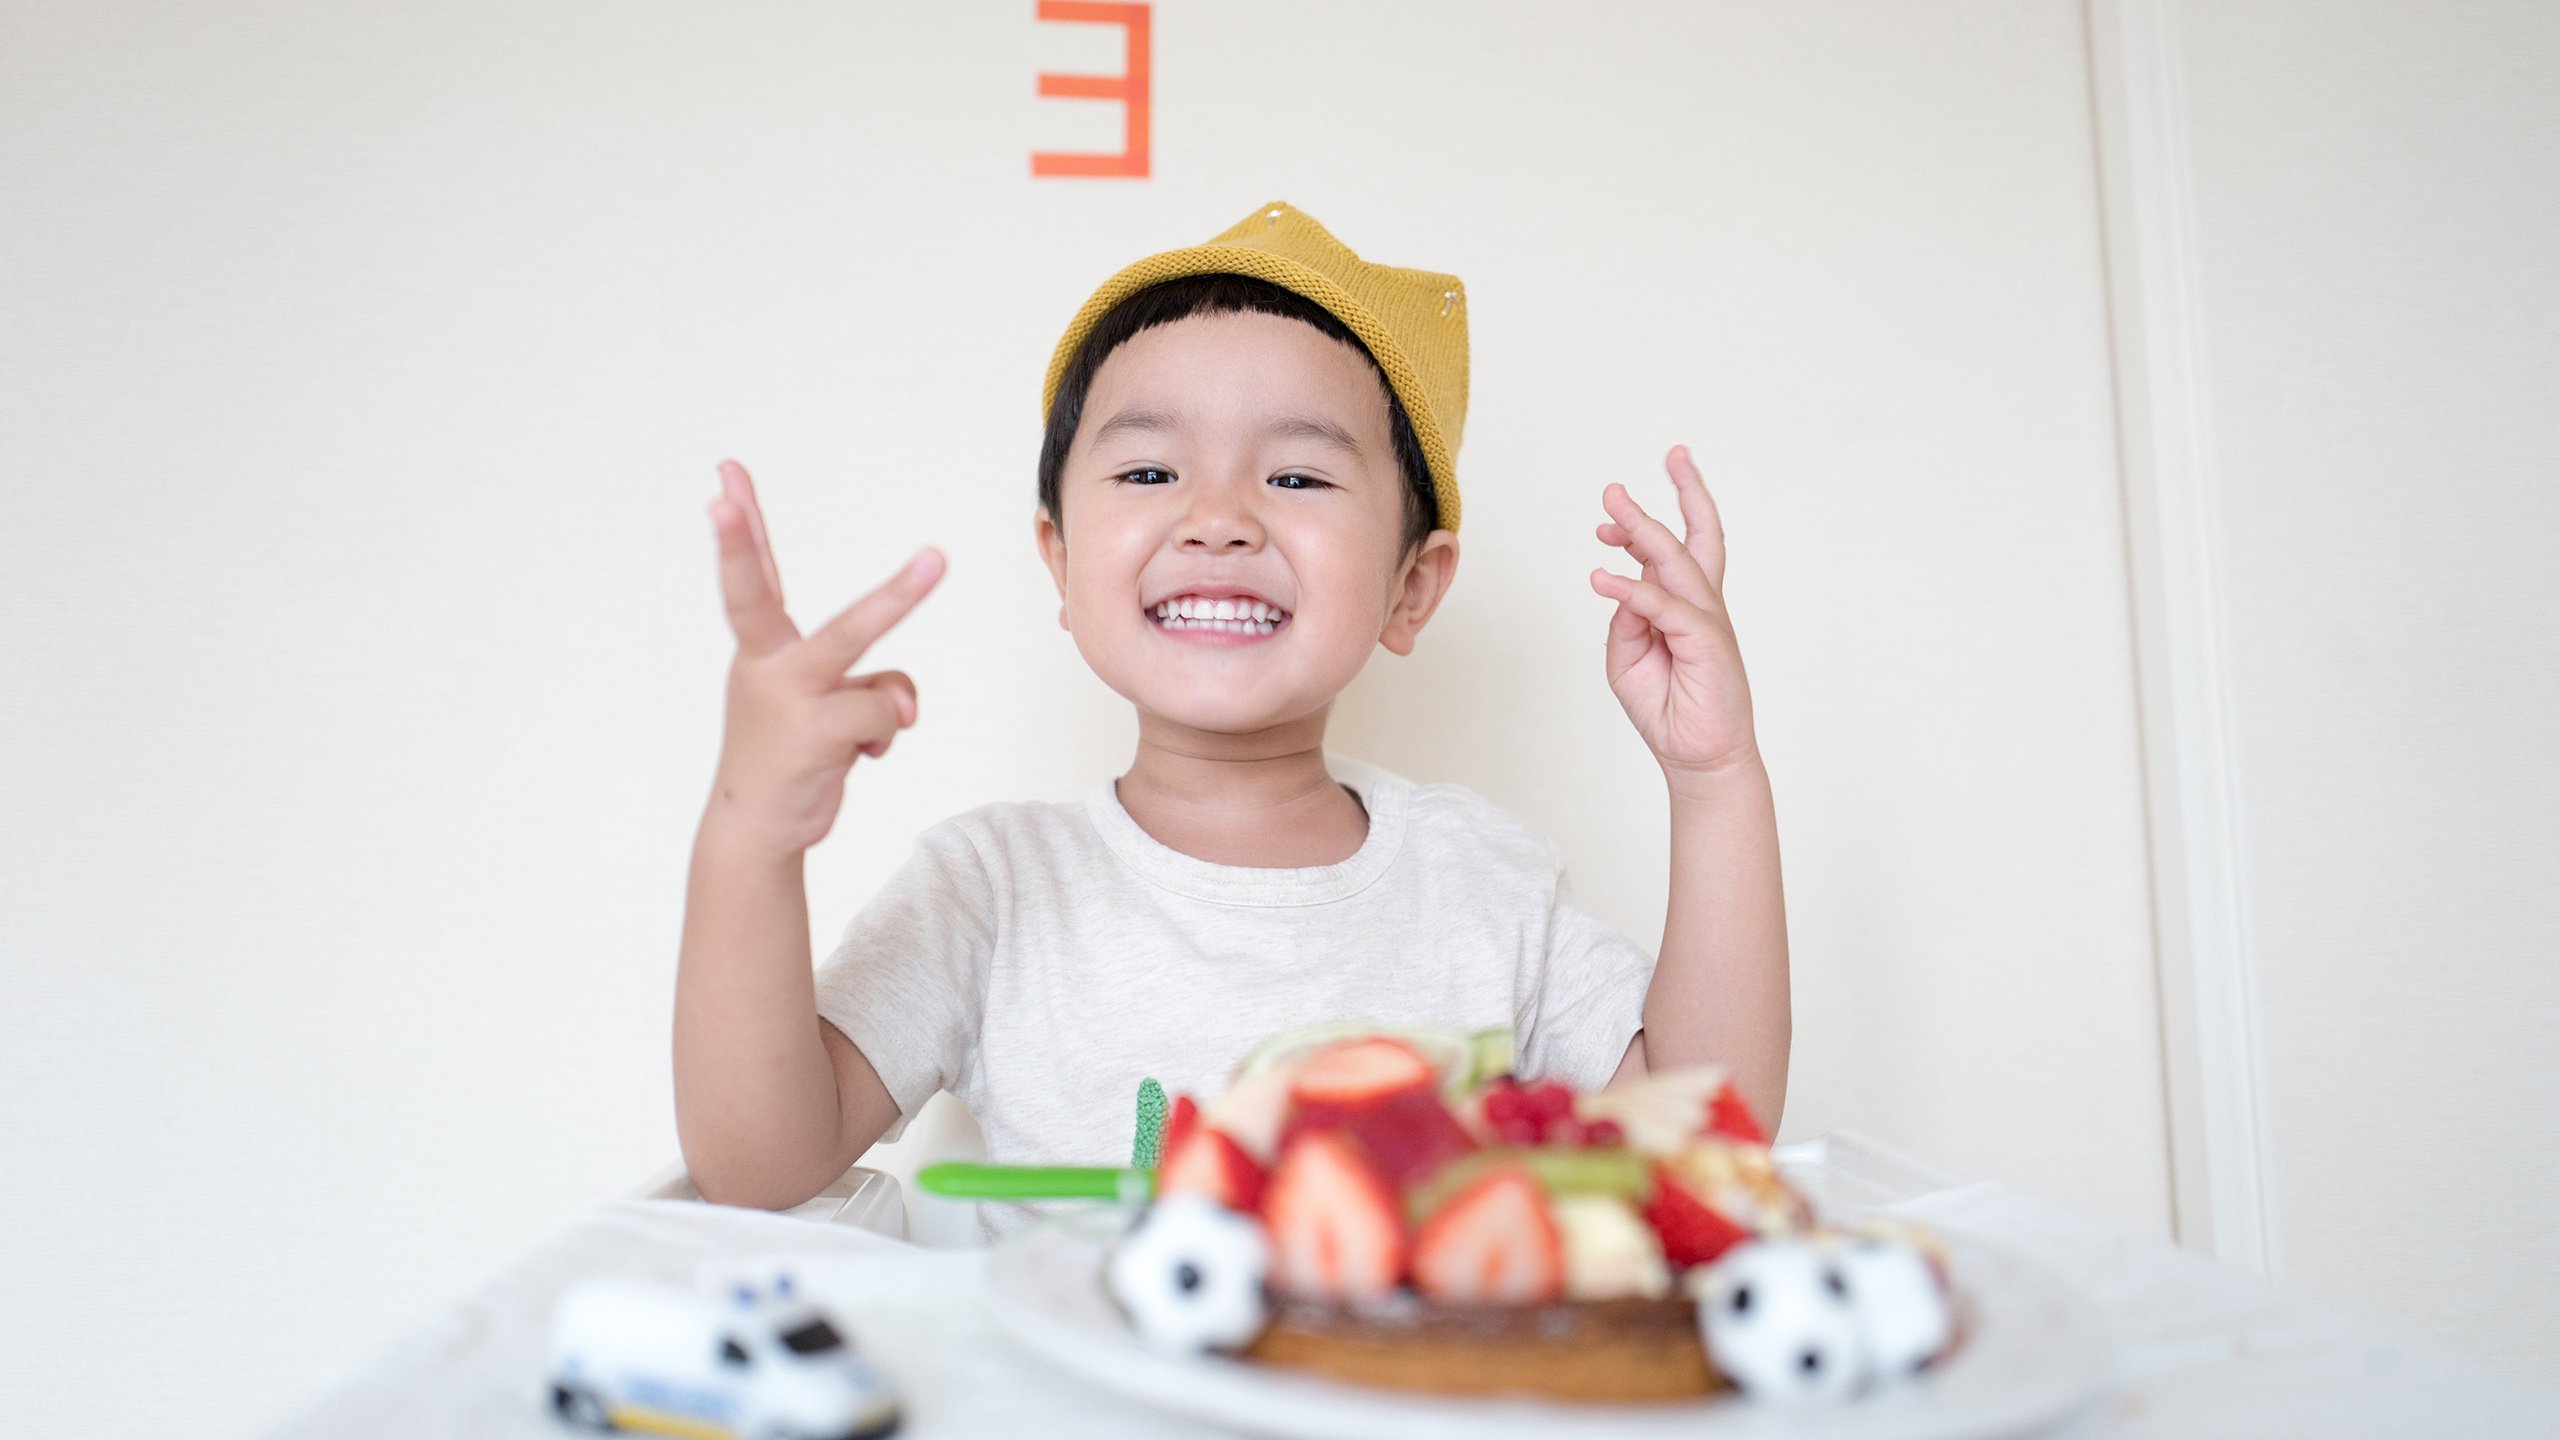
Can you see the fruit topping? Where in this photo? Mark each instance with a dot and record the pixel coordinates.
(1460, 1059)
(1208, 1162)
(1186, 1113)
(1408, 1136)
(1692, 1232)
(1609, 1254)
(1490, 1054)
(1251, 1109)
(1190, 1276)
(1621, 1173)
(1336, 1232)
(1729, 1117)
(1352, 1073)
(1493, 1242)
(1665, 1110)
(1739, 1182)
(1546, 1113)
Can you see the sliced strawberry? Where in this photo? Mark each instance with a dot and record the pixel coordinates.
(1335, 1230)
(1207, 1162)
(1407, 1136)
(1186, 1113)
(1494, 1242)
(1359, 1072)
(1729, 1117)
(1692, 1231)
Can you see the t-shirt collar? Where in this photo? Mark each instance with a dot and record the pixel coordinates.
(1381, 792)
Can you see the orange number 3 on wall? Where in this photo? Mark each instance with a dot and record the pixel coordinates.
(1128, 87)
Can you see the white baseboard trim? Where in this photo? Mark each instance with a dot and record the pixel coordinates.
(2210, 1037)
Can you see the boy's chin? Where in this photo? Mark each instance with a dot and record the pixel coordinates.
(1226, 715)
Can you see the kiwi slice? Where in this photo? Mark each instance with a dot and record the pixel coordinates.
(1558, 1169)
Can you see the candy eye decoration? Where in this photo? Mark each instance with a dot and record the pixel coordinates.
(1190, 1276)
(1779, 1322)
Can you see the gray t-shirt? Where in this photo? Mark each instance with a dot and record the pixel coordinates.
(1039, 959)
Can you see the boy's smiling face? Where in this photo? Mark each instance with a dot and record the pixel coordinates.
(1234, 520)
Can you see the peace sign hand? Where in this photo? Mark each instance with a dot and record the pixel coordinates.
(796, 721)
(1672, 657)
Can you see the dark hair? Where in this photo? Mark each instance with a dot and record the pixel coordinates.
(1171, 300)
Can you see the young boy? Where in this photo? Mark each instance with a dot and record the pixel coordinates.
(1248, 484)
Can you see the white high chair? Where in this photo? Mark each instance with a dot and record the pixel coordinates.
(879, 1193)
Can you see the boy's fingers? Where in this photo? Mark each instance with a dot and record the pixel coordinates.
(1698, 511)
(834, 646)
(1684, 626)
(864, 719)
(896, 684)
(1630, 636)
(741, 491)
(755, 609)
(1652, 543)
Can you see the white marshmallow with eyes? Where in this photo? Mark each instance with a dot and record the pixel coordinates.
(1903, 1317)
(1778, 1321)
(1190, 1275)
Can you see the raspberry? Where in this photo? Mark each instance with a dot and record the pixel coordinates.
(1549, 1099)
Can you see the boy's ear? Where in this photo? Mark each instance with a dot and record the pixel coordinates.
(1426, 577)
(1052, 543)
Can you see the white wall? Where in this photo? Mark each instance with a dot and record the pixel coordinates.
(361, 376)
(2377, 191)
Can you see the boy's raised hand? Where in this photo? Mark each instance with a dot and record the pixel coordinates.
(796, 721)
(1672, 657)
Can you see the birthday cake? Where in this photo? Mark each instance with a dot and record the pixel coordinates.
(1393, 1207)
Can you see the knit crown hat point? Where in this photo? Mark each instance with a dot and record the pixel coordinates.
(1413, 321)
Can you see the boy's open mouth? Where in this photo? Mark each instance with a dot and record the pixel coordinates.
(1215, 618)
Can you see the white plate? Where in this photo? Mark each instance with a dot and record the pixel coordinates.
(2034, 1349)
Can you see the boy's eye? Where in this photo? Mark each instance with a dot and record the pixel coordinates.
(1147, 475)
(1290, 480)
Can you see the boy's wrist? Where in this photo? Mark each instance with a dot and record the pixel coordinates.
(1718, 782)
(731, 838)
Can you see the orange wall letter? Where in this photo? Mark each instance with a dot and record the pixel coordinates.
(1129, 88)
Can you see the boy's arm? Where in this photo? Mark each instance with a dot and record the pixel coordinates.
(1720, 988)
(1719, 993)
(773, 1102)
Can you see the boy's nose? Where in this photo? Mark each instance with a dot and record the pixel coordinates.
(1219, 520)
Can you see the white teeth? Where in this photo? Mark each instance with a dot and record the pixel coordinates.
(1232, 616)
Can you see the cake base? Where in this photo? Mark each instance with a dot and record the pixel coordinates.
(1587, 1350)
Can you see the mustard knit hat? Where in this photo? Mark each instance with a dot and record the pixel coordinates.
(1413, 321)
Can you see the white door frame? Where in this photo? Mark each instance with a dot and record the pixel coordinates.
(2210, 1039)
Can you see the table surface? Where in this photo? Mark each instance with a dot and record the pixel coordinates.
(2200, 1351)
